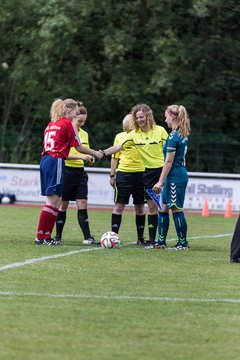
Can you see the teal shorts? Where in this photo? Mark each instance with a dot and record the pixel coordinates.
(173, 193)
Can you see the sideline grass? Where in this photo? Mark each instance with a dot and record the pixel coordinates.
(129, 303)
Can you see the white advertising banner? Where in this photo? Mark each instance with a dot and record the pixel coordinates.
(100, 192)
(216, 190)
(24, 182)
(25, 185)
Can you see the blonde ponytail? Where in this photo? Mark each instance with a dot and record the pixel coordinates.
(184, 128)
(181, 120)
(58, 110)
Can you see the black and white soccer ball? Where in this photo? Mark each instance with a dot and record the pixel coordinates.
(5, 200)
(110, 240)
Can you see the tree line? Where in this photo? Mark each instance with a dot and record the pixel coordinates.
(114, 54)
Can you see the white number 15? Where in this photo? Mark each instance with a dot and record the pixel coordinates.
(49, 141)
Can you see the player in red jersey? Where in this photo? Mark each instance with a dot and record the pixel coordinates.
(59, 136)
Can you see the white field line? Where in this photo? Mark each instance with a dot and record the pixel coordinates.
(121, 298)
(43, 258)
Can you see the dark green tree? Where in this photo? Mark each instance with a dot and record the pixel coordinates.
(112, 55)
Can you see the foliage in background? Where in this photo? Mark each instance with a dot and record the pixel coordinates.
(112, 55)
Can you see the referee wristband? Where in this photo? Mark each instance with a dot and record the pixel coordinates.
(112, 176)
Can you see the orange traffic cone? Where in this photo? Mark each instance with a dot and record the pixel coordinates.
(205, 210)
(228, 211)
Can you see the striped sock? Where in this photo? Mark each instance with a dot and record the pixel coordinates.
(52, 217)
(163, 226)
(181, 227)
(46, 222)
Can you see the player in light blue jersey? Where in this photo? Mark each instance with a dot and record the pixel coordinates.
(174, 178)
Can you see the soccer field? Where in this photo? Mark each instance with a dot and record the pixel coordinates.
(77, 302)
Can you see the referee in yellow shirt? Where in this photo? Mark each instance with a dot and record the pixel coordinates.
(149, 139)
(126, 178)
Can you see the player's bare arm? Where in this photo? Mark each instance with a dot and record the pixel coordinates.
(157, 188)
(82, 149)
(112, 150)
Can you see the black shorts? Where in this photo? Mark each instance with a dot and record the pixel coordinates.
(150, 178)
(75, 184)
(129, 184)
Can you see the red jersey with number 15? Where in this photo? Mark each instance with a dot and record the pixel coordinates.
(59, 137)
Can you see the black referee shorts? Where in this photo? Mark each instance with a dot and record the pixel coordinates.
(129, 184)
(75, 184)
(150, 178)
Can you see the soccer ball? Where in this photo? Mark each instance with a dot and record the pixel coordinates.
(110, 240)
(5, 200)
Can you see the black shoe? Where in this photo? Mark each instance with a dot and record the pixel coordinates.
(38, 242)
(51, 242)
(91, 241)
(160, 246)
(58, 238)
(178, 246)
(46, 242)
(181, 247)
(149, 242)
(141, 242)
(156, 246)
(235, 261)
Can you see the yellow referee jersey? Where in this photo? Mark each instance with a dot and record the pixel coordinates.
(83, 135)
(129, 158)
(149, 145)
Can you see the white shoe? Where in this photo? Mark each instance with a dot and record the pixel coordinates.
(149, 247)
(91, 241)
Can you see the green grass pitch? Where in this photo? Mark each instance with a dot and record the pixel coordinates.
(72, 302)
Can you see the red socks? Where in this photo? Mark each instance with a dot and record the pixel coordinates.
(47, 221)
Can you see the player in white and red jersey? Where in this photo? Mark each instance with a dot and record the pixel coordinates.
(59, 136)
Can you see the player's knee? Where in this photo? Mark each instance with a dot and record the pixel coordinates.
(63, 206)
(152, 208)
(118, 208)
(139, 209)
(81, 204)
